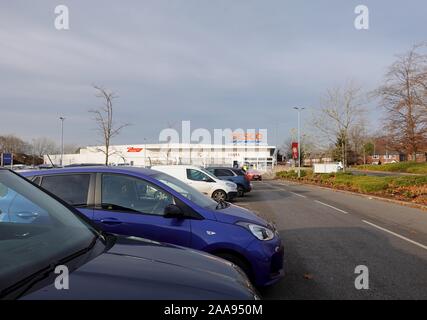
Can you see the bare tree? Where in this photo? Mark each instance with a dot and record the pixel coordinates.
(12, 144)
(104, 119)
(358, 138)
(403, 97)
(308, 147)
(341, 111)
(42, 146)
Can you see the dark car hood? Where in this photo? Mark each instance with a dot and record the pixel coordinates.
(141, 269)
(233, 214)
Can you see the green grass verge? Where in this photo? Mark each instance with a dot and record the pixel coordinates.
(406, 167)
(403, 187)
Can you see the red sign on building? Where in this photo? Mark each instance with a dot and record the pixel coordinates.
(132, 149)
(295, 150)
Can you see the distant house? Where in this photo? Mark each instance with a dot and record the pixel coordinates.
(384, 154)
(420, 157)
(383, 158)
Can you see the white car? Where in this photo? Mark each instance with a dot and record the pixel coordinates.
(201, 180)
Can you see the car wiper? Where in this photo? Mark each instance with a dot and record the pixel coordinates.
(26, 284)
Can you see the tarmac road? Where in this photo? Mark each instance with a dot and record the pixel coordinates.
(327, 234)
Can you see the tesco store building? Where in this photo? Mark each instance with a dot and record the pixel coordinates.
(260, 157)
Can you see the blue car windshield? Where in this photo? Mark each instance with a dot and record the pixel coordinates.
(187, 191)
(35, 230)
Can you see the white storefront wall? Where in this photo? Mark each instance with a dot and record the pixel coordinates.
(261, 157)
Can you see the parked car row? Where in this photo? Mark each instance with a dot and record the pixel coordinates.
(117, 205)
(202, 180)
(38, 232)
(238, 176)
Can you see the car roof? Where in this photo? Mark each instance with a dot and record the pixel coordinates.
(92, 169)
(177, 166)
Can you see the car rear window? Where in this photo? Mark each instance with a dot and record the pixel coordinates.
(73, 189)
(223, 173)
(239, 172)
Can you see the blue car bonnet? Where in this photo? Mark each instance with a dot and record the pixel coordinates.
(234, 214)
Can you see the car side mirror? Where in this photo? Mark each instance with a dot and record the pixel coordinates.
(172, 211)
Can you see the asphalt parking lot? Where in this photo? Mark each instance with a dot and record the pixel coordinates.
(327, 234)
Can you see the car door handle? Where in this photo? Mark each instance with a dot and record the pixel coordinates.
(111, 221)
(27, 215)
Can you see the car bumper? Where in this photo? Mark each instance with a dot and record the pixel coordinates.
(267, 260)
(248, 188)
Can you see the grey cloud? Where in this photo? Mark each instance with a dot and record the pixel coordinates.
(217, 63)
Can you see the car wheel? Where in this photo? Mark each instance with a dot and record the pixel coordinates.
(240, 191)
(242, 264)
(219, 195)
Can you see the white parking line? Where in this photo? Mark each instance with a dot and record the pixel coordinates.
(297, 194)
(328, 205)
(396, 235)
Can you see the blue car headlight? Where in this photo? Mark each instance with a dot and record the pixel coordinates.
(260, 232)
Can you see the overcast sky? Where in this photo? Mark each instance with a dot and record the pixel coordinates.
(218, 63)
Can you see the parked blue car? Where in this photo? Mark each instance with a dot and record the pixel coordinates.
(238, 176)
(153, 205)
(101, 265)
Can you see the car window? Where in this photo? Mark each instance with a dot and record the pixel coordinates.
(223, 173)
(130, 194)
(197, 175)
(35, 230)
(37, 180)
(239, 172)
(16, 208)
(186, 190)
(72, 188)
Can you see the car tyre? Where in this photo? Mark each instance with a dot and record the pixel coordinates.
(219, 195)
(242, 264)
(240, 191)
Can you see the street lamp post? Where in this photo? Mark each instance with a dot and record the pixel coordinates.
(299, 109)
(145, 152)
(33, 151)
(62, 139)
